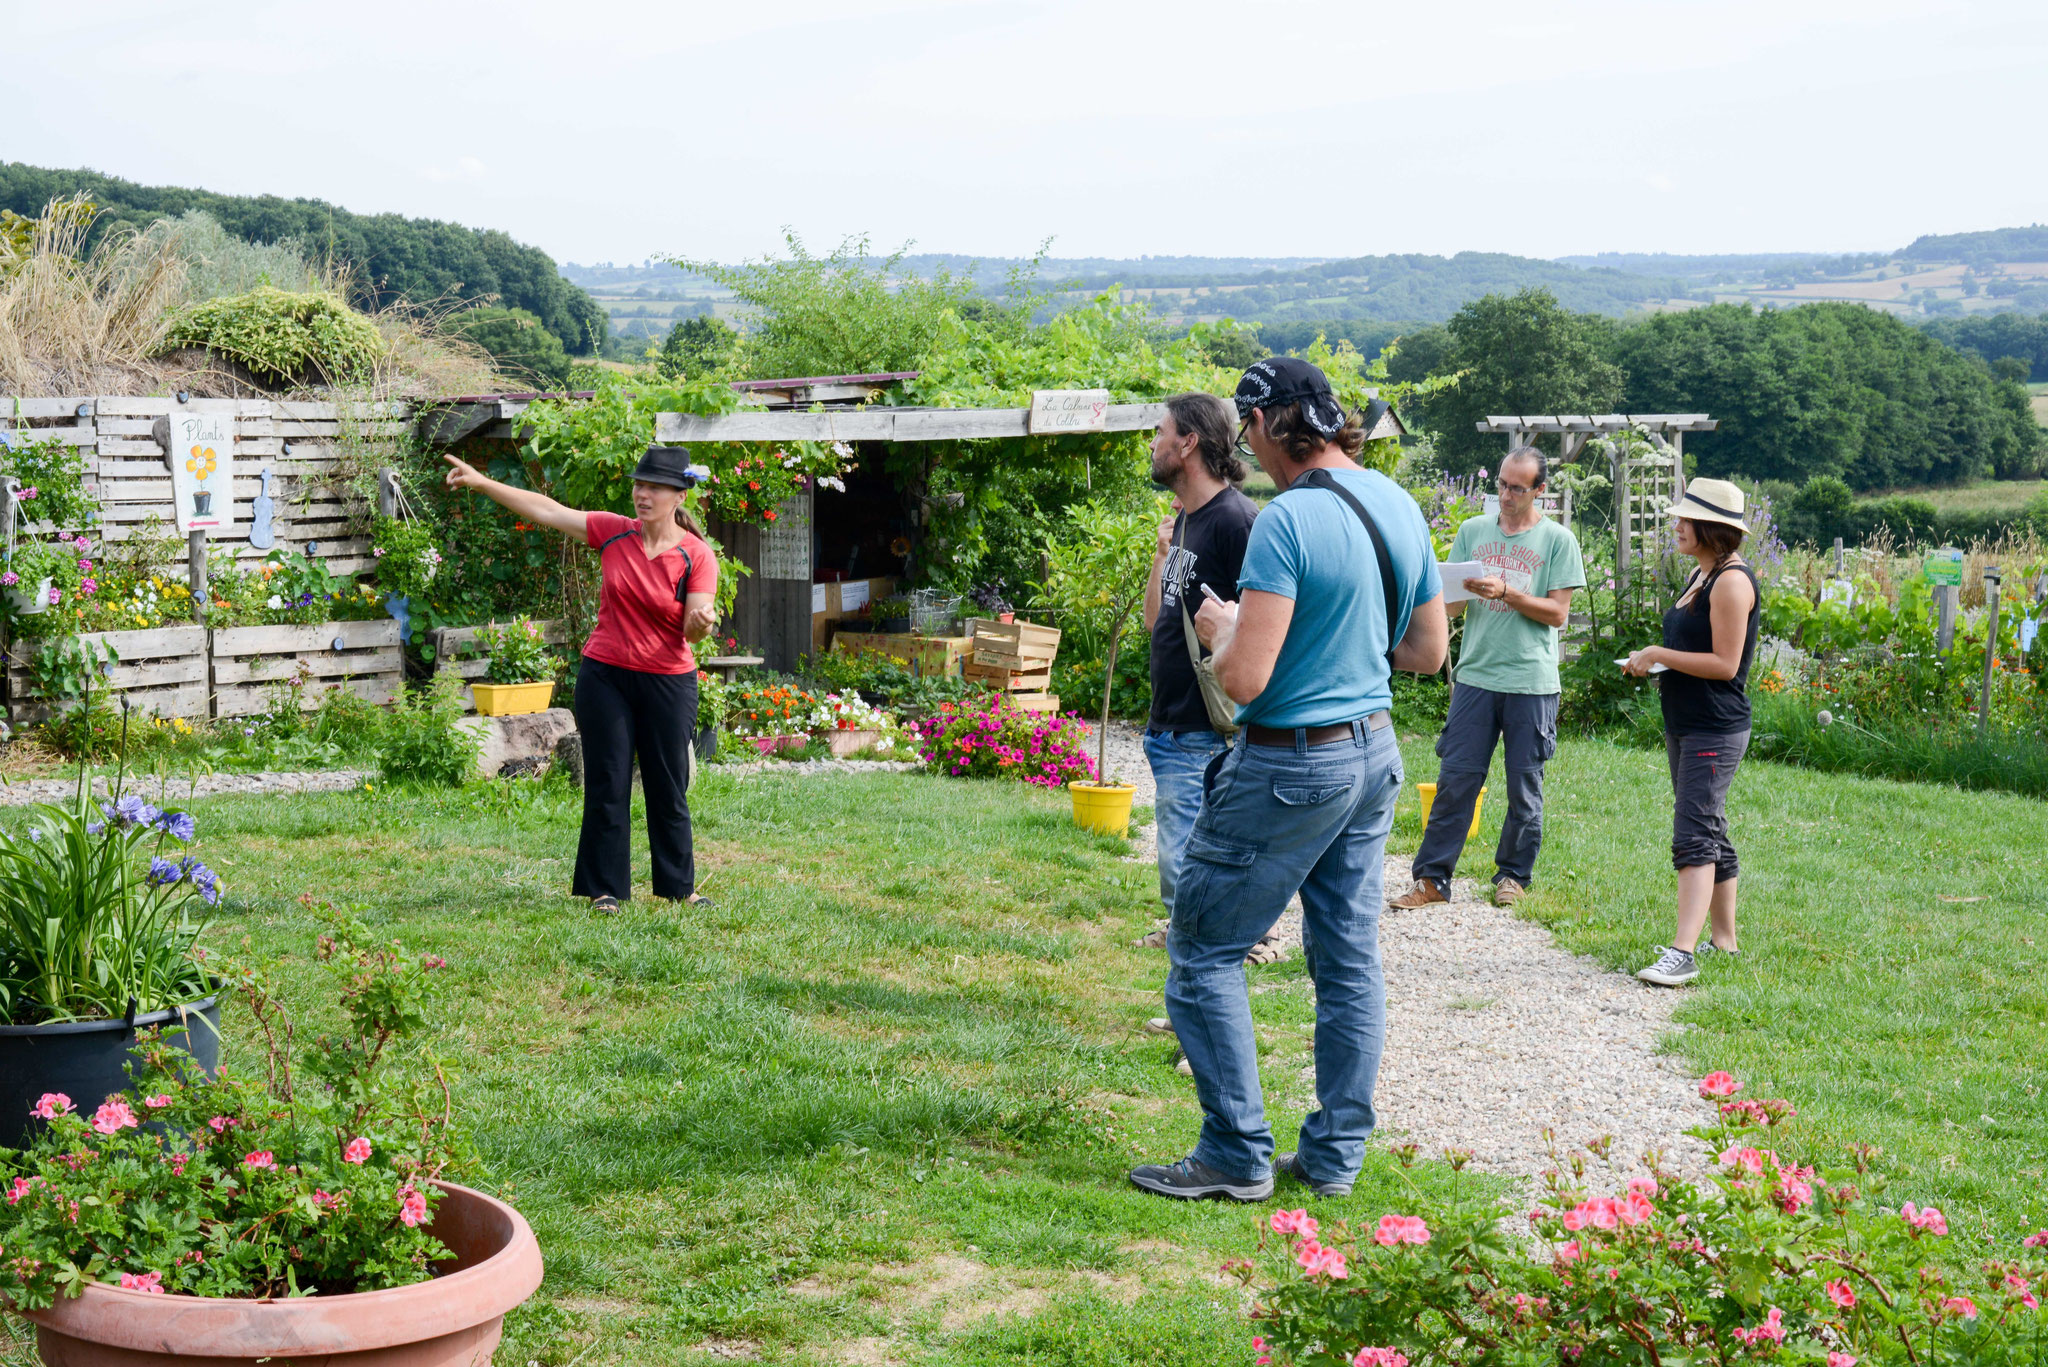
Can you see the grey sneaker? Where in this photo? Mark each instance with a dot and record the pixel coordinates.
(1674, 968)
(1290, 1163)
(1189, 1180)
(1706, 949)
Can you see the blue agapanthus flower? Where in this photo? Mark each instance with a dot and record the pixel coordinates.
(130, 811)
(95, 827)
(178, 825)
(204, 880)
(163, 872)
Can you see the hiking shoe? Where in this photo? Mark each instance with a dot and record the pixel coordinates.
(1156, 939)
(1269, 950)
(1290, 1163)
(1674, 968)
(1422, 894)
(1507, 892)
(1190, 1180)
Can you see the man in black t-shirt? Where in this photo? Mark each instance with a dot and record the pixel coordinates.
(1194, 453)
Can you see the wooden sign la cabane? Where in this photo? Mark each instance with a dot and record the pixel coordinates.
(1060, 412)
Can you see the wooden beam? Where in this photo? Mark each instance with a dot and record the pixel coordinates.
(881, 424)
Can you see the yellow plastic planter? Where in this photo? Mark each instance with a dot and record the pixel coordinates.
(510, 700)
(1427, 792)
(1103, 807)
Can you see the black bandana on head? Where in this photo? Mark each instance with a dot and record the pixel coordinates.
(1281, 380)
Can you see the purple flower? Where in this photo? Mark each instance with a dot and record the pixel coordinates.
(162, 872)
(204, 880)
(178, 825)
(95, 827)
(130, 811)
(9, 579)
(56, 596)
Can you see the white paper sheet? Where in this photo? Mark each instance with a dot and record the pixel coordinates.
(1654, 669)
(1454, 573)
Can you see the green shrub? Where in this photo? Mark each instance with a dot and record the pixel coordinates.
(423, 742)
(284, 337)
(517, 654)
(348, 721)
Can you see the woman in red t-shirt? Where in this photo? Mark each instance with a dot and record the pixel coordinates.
(636, 691)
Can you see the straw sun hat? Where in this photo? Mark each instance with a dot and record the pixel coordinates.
(1711, 500)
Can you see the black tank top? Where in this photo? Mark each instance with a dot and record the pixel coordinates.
(1693, 705)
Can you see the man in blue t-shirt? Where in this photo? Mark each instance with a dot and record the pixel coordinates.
(1339, 588)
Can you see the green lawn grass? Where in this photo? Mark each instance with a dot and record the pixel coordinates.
(877, 1105)
(1978, 496)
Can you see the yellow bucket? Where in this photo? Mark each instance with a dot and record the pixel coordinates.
(1427, 792)
(1103, 807)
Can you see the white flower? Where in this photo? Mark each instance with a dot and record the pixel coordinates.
(275, 602)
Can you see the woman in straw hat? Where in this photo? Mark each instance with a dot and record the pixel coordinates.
(1709, 640)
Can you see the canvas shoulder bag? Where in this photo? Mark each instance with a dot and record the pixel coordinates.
(1222, 711)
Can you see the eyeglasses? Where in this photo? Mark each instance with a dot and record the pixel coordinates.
(1515, 489)
(1244, 448)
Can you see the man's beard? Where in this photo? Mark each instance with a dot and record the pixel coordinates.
(1163, 473)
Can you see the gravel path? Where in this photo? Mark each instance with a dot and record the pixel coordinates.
(1494, 1033)
(22, 792)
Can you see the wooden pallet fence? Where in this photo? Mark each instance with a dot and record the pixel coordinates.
(298, 442)
(161, 671)
(250, 663)
(1015, 658)
(454, 649)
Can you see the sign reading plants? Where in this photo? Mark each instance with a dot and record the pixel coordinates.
(1058, 411)
(202, 458)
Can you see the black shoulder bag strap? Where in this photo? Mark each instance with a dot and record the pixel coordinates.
(1322, 479)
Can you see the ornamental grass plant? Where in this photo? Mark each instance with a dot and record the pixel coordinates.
(314, 1174)
(1776, 1256)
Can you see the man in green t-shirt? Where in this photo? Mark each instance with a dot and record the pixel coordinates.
(1505, 686)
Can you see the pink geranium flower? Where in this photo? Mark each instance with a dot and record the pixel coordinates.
(52, 1105)
(21, 1189)
(1264, 1351)
(156, 1103)
(1930, 1219)
(1841, 1360)
(114, 1116)
(259, 1159)
(1719, 1084)
(1960, 1305)
(148, 1281)
(1401, 1229)
(220, 1124)
(1772, 1330)
(1379, 1357)
(1294, 1222)
(1571, 1252)
(358, 1151)
(1318, 1261)
(2039, 1240)
(412, 1207)
(1840, 1293)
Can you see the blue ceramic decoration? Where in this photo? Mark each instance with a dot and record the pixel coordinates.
(261, 535)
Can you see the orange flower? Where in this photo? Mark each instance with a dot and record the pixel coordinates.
(770, 514)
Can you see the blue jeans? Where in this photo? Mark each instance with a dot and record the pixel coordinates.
(1178, 760)
(1275, 820)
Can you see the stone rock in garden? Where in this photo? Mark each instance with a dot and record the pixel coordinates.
(528, 735)
(569, 756)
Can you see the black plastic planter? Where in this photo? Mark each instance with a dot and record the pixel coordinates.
(86, 1060)
(707, 743)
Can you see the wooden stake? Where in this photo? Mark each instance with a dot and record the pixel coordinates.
(1990, 646)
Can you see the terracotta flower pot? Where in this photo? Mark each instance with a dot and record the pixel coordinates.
(452, 1321)
(846, 743)
(773, 745)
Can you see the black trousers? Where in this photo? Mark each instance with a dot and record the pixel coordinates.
(621, 712)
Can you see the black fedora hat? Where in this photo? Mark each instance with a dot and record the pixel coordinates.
(669, 465)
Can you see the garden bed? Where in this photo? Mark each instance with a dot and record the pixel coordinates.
(250, 663)
(162, 671)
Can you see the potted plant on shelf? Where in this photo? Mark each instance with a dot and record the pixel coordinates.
(1097, 582)
(520, 677)
(301, 1210)
(407, 561)
(30, 575)
(891, 616)
(100, 915)
(771, 717)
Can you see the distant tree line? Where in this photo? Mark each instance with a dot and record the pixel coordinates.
(1835, 390)
(392, 257)
(1995, 337)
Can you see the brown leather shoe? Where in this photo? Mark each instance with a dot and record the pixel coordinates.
(1422, 894)
(1507, 892)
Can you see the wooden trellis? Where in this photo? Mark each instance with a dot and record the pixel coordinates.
(1645, 484)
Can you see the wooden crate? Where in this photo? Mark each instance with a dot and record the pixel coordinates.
(249, 662)
(1015, 658)
(931, 654)
(161, 671)
(1034, 702)
(450, 643)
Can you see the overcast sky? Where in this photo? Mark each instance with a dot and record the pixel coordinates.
(610, 130)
